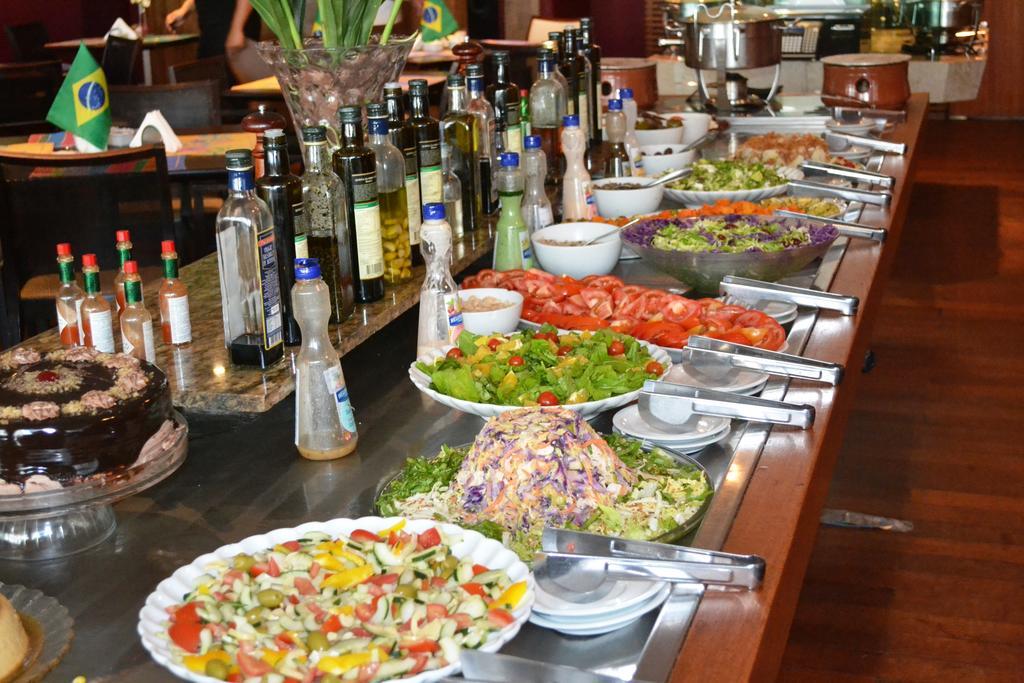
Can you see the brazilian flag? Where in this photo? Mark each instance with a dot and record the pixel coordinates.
(82, 105)
(437, 21)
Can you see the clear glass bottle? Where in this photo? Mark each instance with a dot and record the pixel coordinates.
(327, 231)
(537, 212)
(428, 142)
(584, 76)
(459, 148)
(451, 190)
(629, 108)
(577, 200)
(547, 107)
(483, 133)
(570, 69)
(356, 165)
(69, 298)
(96, 319)
(124, 255)
(617, 163)
(504, 95)
(554, 45)
(282, 191)
(512, 248)
(404, 138)
(136, 322)
(250, 292)
(440, 322)
(175, 322)
(325, 426)
(394, 208)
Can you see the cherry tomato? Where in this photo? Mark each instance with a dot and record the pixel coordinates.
(252, 666)
(454, 353)
(429, 538)
(548, 399)
(420, 663)
(305, 586)
(185, 634)
(616, 348)
(462, 620)
(364, 536)
(366, 611)
(654, 368)
(564, 350)
(493, 344)
(435, 611)
(383, 579)
(187, 614)
(292, 546)
(331, 624)
(516, 361)
(546, 335)
(479, 569)
(474, 589)
(499, 618)
(420, 646)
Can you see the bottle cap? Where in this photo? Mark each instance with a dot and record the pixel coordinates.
(274, 137)
(532, 142)
(88, 260)
(314, 134)
(236, 160)
(418, 86)
(350, 114)
(167, 247)
(625, 93)
(474, 71)
(456, 80)
(125, 236)
(376, 110)
(393, 85)
(307, 268)
(500, 57)
(615, 105)
(585, 21)
(509, 159)
(571, 121)
(131, 267)
(524, 93)
(64, 249)
(433, 212)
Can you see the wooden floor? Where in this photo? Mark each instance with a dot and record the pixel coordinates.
(936, 437)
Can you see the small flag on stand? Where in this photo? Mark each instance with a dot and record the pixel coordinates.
(438, 21)
(82, 105)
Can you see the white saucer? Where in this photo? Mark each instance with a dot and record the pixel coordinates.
(736, 381)
(850, 128)
(782, 311)
(604, 623)
(687, 447)
(624, 595)
(697, 428)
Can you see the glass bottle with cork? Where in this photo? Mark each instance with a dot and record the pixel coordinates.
(69, 298)
(428, 142)
(124, 255)
(547, 107)
(175, 321)
(325, 426)
(327, 233)
(96, 319)
(458, 146)
(404, 138)
(394, 207)
(356, 165)
(512, 250)
(250, 291)
(617, 161)
(483, 133)
(504, 95)
(136, 322)
(440, 321)
(258, 122)
(282, 191)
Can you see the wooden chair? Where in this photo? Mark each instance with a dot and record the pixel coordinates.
(184, 105)
(119, 58)
(26, 92)
(541, 26)
(28, 41)
(208, 69)
(82, 199)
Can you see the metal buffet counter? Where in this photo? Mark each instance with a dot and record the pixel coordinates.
(243, 477)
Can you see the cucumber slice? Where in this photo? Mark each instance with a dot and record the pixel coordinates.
(489, 578)
(394, 668)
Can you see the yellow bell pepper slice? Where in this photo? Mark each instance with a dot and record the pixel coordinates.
(272, 657)
(511, 596)
(197, 663)
(348, 577)
(384, 533)
(339, 664)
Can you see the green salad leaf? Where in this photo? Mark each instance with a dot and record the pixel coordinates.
(421, 475)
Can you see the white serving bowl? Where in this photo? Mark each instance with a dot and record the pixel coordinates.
(503, 320)
(615, 203)
(657, 164)
(660, 136)
(598, 258)
(695, 125)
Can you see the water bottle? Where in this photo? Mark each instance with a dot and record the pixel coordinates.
(440, 322)
(325, 427)
(536, 206)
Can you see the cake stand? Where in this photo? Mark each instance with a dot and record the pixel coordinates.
(51, 524)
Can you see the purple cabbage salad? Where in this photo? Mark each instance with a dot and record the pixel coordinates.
(728, 234)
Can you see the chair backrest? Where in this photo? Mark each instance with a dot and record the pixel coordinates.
(82, 199)
(119, 57)
(28, 41)
(209, 69)
(184, 105)
(541, 26)
(27, 91)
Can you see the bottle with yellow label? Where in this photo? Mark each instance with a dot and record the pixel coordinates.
(428, 143)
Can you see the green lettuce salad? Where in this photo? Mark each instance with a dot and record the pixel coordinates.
(728, 176)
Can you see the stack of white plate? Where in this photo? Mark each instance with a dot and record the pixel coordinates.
(698, 432)
(743, 382)
(627, 602)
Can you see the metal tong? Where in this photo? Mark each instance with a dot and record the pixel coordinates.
(667, 405)
(480, 667)
(845, 228)
(705, 352)
(580, 562)
(860, 175)
(837, 142)
(746, 289)
(815, 189)
(858, 114)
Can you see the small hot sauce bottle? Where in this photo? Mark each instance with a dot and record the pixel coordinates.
(173, 297)
(69, 297)
(136, 322)
(124, 253)
(95, 320)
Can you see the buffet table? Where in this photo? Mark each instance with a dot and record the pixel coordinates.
(244, 477)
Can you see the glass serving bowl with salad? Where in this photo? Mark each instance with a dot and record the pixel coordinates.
(711, 181)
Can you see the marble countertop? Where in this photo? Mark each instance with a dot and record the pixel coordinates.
(202, 378)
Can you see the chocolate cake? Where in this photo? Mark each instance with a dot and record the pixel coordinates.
(75, 412)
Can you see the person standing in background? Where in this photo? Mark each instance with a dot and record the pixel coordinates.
(226, 27)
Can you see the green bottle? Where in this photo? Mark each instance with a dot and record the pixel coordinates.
(512, 246)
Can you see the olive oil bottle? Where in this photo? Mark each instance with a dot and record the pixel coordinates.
(459, 148)
(404, 138)
(428, 143)
(356, 165)
(394, 209)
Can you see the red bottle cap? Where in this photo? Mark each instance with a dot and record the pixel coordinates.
(64, 249)
(88, 260)
(123, 236)
(131, 267)
(167, 247)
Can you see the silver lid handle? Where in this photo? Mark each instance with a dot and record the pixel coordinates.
(845, 228)
(879, 179)
(753, 290)
(869, 142)
(699, 348)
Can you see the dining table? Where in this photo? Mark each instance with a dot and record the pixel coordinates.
(65, 49)
(270, 89)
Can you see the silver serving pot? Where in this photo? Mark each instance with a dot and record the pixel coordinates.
(941, 14)
(732, 37)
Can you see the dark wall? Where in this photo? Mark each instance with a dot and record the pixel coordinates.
(64, 19)
(618, 24)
